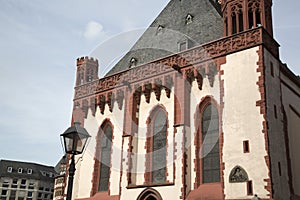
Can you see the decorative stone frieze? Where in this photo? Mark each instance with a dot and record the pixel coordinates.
(194, 64)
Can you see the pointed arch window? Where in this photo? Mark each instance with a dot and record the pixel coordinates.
(234, 25)
(208, 150)
(157, 148)
(250, 17)
(241, 22)
(254, 14)
(210, 145)
(104, 145)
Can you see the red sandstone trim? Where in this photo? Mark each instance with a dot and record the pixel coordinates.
(221, 61)
(263, 110)
(149, 193)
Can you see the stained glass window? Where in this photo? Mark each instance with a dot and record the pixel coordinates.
(210, 145)
(105, 158)
(159, 148)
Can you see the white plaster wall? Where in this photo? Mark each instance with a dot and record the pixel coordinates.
(196, 97)
(84, 173)
(242, 121)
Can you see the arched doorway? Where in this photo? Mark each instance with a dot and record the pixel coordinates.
(149, 194)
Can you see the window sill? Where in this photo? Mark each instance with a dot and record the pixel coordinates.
(132, 186)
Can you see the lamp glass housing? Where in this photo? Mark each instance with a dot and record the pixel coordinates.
(75, 139)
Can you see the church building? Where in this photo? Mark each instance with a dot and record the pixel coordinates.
(201, 108)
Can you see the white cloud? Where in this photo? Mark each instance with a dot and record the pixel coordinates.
(93, 30)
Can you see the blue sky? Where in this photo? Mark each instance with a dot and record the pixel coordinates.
(39, 43)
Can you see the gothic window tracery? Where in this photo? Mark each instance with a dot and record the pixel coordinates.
(157, 146)
(104, 146)
(237, 18)
(208, 162)
(210, 145)
(254, 13)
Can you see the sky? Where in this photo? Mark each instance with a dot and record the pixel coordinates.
(40, 41)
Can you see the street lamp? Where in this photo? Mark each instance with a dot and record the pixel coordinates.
(75, 139)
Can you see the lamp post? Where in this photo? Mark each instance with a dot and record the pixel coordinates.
(75, 139)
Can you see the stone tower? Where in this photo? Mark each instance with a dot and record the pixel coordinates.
(87, 70)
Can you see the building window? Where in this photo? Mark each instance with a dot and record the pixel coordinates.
(23, 184)
(20, 170)
(133, 62)
(279, 168)
(105, 157)
(272, 69)
(31, 186)
(189, 19)
(13, 194)
(59, 180)
(250, 17)
(4, 192)
(246, 146)
(15, 183)
(258, 21)
(226, 27)
(29, 171)
(275, 111)
(182, 46)
(159, 30)
(234, 25)
(210, 145)
(29, 194)
(46, 196)
(157, 147)
(5, 184)
(241, 21)
(254, 14)
(58, 193)
(9, 169)
(40, 195)
(249, 188)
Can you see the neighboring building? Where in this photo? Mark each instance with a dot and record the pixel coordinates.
(25, 181)
(59, 186)
(200, 108)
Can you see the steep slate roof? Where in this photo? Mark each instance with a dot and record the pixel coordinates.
(39, 172)
(206, 26)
